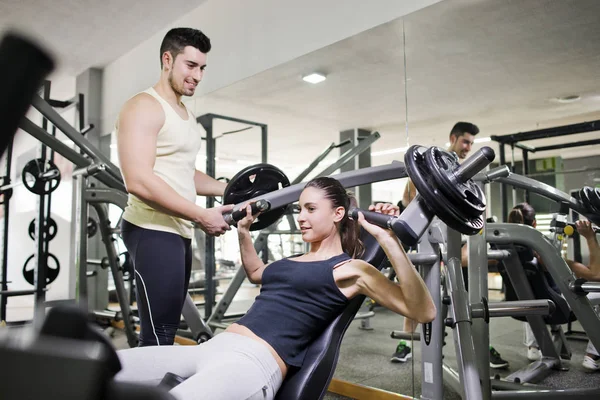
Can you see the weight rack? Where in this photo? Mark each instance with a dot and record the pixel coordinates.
(44, 182)
(89, 162)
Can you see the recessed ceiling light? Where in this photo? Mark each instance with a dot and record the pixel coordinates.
(314, 78)
(568, 99)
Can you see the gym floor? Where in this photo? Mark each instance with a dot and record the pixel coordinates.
(365, 355)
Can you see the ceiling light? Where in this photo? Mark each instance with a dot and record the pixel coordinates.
(314, 78)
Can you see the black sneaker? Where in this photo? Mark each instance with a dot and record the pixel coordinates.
(495, 360)
(403, 352)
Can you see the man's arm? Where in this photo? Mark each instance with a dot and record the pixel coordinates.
(207, 185)
(410, 191)
(139, 124)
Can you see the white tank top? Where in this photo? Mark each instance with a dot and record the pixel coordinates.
(177, 147)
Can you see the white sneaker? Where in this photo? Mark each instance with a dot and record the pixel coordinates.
(533, 354)
(590, 363)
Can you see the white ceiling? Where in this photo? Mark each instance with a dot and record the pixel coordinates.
(498, 63)
(90, 33)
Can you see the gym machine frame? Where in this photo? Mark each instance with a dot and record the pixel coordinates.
(206, 121)
(44, 210)
(513, 140)
(465, 308)
(99, 166)
(504, 234)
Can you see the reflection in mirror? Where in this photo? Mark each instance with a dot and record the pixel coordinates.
(503, 66)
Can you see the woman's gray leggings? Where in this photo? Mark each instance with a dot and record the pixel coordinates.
(227, 367)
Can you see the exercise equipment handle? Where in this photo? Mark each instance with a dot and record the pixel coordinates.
(415, 216)
(472, 165)
(571, 228)
(258, 206)
(383, 220)
(583, 287)
(521, 308)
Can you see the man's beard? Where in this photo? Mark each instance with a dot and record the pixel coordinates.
(177, 89)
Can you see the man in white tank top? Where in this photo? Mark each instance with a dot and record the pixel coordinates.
(158, 141)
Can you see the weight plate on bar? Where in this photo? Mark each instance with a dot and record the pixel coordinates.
(467, 196)
(52, 269)
(587, 196)
(50, 229)
(594, 198)
(421, 176)
(41, 176)
(254, 181)
(92, 227)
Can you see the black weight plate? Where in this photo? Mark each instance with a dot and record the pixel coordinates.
(467, 197)
(52, 269)
(92, 227)
(50, 230)
(593, 196)
(41, 176)
(420, 175)
(584, 194)
(254, 181)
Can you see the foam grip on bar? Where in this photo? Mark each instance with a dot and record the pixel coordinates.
(23, 68)
(400, 227)
(258, 206)
(372, 217)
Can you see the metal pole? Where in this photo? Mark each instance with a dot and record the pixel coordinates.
(6, 204)
(526, 171)
(502, 185)
(463, 337)
(432, 337)
(42, 255)
(210, 264)
(264, 136)
(478, 288)
(113, 258)
(80, 236)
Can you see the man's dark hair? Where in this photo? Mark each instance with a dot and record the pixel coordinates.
(460, 128)
(178, 38)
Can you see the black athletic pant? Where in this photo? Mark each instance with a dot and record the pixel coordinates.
(162, 263)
